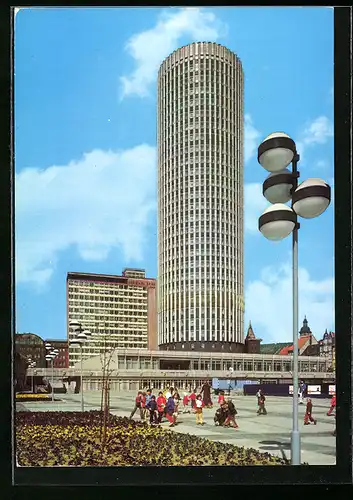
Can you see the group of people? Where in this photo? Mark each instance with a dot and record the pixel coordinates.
(225, 415)
(167, 404)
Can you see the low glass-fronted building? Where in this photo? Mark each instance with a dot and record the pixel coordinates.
(133, 369)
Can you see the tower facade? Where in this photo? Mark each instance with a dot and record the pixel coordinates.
(200, 200)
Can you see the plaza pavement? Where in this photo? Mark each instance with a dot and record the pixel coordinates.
(267, 433)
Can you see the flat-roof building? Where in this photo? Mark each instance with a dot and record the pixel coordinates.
(119, 311)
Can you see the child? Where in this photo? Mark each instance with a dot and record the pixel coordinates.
(176, 406)
(308, 414)
(169, 411)
(221, 398)
(185, 403)
(261, 403)
(192, 398)
(152, 407)
(231, 415)
(161, 403)
(333, 405)
(198, 410)
(138, 405)
(143, 405)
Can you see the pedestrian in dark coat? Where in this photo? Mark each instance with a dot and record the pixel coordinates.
(261, 402)
(206, 391)
(153, 409)
(169, 410)
(308, 417)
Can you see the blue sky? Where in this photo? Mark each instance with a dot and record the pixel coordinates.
(85, 139)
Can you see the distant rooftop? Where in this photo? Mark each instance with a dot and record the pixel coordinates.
(274, 348)
(127, 273)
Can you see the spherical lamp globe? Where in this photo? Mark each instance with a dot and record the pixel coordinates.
(311, 198)
(277, 222)
(276, 152)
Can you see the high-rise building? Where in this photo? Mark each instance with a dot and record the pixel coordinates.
(119, 311)
(200, 200)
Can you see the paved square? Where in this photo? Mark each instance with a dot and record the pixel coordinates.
(268, 433)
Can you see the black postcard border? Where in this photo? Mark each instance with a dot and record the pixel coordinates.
(207, 476)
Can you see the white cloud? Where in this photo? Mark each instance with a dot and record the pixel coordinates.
(150, 47)
(254, 204)
(318, 131)
(101, 202)
(251, 138)
(269, 303)
(322, 164)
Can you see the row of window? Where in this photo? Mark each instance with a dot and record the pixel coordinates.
(229, 267)
(188, 217)
(98, 294)
(184, 167)
(176, 283)
(223, 129)
(178, 244)
(217, 116)
(225, 178)
(197, 228)
(199, 265)
(196, 206)
(228, 189)
(219, 175)
(117, 333)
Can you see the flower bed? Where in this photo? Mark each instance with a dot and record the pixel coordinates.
(46, 439)
(32, 397)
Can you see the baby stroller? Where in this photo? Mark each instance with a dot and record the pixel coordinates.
(220, 416)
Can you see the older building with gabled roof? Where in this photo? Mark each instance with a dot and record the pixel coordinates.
(252, 344)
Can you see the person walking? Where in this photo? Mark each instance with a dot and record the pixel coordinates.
(176, 398)
(261, 402)
(199, 404)
(153, 409)
(186, 403)
(301, 392)
(308, 417)
(143, 405)
(138, 406)
(258, 394)
(333, 405)
(169, 393)
(334, 430)
(148, 399)
(206, 391)
(193, 399)
(161, 403)
(231, 412)
(169, 410)
(221, 398)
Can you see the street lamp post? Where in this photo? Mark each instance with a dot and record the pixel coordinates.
(32, 365)
(52, 354)
(81, 337)
(308, 200)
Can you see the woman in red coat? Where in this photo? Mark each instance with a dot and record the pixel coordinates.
(221, 398)
(161, 403)
(333, 405)
(192, 398)
(308, 414)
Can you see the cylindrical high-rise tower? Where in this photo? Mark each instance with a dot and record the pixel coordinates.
(200, 200)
